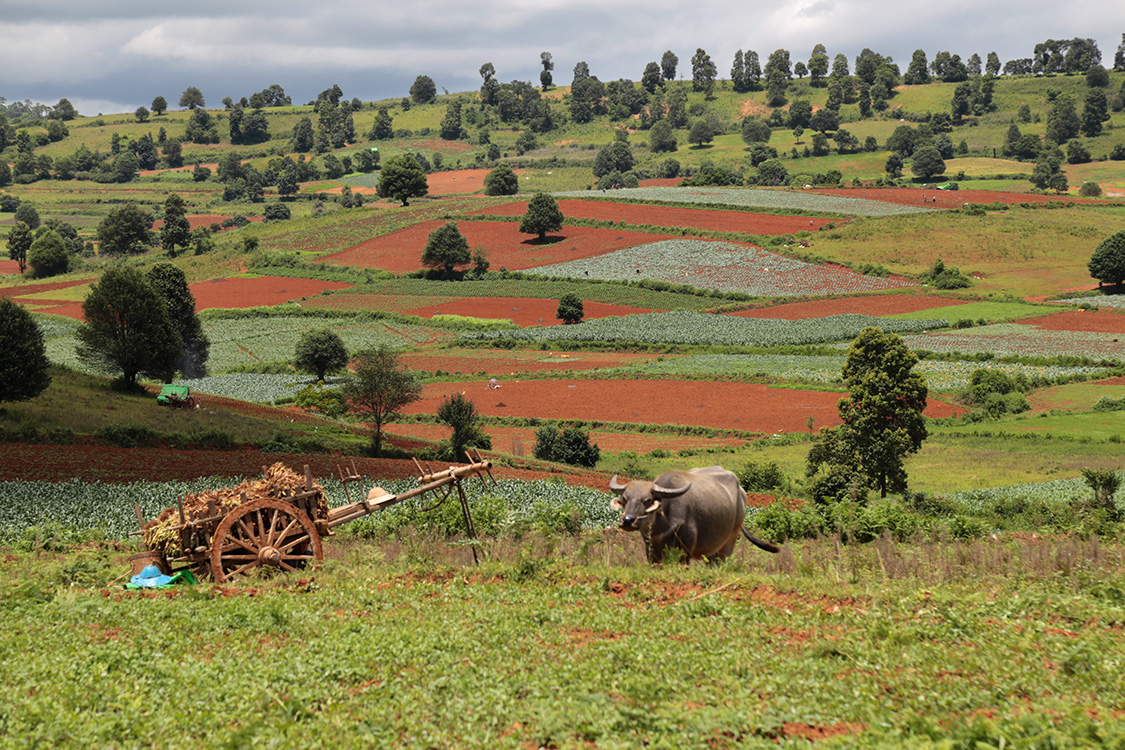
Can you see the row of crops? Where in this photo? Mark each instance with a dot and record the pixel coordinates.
(512, 504)
(1004, 339)
(724, 266)
(759, 198)
(700, 329)
(108, 508)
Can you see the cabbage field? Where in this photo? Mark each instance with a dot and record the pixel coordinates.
(760, 198)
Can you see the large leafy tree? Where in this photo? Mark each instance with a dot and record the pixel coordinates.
(403, 178)
(19, 242)
(320, 351)
(127, 328)
(570, 308)
(543, 215)
(170, 284)
(882, 415)
(24, 368)
(501, 181)
(48, 255)
(460, 414)
(378, 391)
(927, 162)
(668, 62)
(125, 229)
(446, 248)
(176, 230)
(192, 98)
(1107, 264)
(423, 90)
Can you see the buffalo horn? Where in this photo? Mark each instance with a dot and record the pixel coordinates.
(670, 491)
(616, 486)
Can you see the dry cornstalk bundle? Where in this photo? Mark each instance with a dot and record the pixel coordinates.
(279, 481)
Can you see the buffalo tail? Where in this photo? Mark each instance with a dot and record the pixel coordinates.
(760, 543)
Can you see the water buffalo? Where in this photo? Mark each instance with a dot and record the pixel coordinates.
(698, 511)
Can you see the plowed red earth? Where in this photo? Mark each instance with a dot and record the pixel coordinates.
(263, 291)
(945, 198)
(671, 216)
(8, 267)
(520, 441)
(882, 304)
(202, 220)
(499, 361)
(731, 406)
(459, 181)
(502, 242)
(523, 311)
(1102, 321)
(20, 291)
(56, 463)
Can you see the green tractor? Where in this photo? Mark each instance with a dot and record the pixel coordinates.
(176, 396)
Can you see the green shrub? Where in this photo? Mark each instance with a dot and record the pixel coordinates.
(128, 436)
(760, 476)
(779, 523)
(568, 446)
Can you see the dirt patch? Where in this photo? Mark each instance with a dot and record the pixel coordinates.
(1102, 321)
(503, 361)
(263, 291)
(944, 198)
(502, 243)
(732, 406)
(819, 732)
(520, 441)
(881, 304)
(203, 220)
(671, 216)
(9, 267)
(523, 311)
(661, 182)
(13, 292)
(458, 181)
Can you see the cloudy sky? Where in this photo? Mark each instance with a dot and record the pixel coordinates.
(112, 56)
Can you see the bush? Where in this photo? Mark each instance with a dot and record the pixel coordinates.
(570, 446)
(779, 523)
(128, 436)
(1090, 190)
(941, 276)
(761, 476)
(277, 212)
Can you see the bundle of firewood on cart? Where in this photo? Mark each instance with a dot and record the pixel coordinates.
(277, 521)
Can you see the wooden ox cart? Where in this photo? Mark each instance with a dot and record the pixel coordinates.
(224, 538)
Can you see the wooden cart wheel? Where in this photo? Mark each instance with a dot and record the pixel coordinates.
(263, 533)
(189, 403)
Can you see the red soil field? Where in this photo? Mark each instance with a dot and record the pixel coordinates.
(202, 220)
(499, 361)
(55, 463)
(661, 182)
(20, 291)
(670, 216)
(523, 311)
(880, 304)
(1102, 321)
(944, 198)
(8, 267)
(401, 251)
(730, 406)
(262, 291)
(520, 441)
(459, 181)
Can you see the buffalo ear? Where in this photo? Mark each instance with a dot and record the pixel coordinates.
(616, 503)
(654, 507)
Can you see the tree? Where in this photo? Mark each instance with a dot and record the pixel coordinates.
(927, 162)
(661, 137)
(24, 368)
(546, 80)
(918, 72)
(668, 63)
(192, 98)
(127, 327)
(460, 414)
(570, 308)
(755, 130)
(1094, 113)
(543, 215)
(27, 213)
(1062, 121)
(818, 66)
(141, 114)
(772, 172)
(702, 72)
(651, 79)
(320, 351)
(403, 178)
(176, 230)
(19, 242)
(1107, 264)
(159, 105)
(170, 284)
(1097, 76)
(882, 415)
(446, 248)
(451, 123)
(569, 446)
(378, 391)
(501, 181)
(125, 229)
(700, 133)
(423, 90)
(47, 255)
(383, 127)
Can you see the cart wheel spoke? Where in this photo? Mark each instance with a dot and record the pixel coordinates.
(261, 533)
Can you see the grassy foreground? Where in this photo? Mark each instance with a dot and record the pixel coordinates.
(572, 642)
